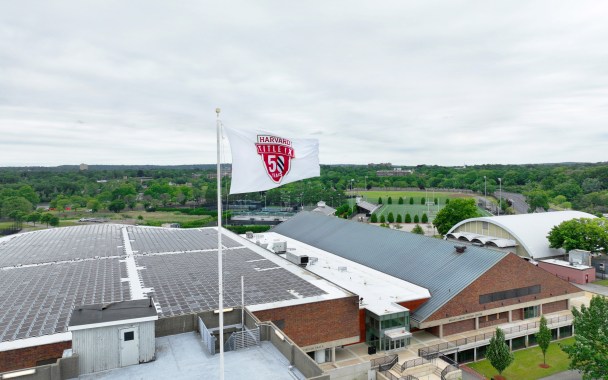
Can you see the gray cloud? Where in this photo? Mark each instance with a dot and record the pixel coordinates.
(447, 82)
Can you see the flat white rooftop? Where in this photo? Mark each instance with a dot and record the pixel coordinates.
(566, 264)
(182, 357)
(380, 292)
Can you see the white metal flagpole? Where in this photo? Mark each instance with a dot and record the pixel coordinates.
(219, 246)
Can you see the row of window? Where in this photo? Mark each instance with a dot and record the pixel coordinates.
(509, 294)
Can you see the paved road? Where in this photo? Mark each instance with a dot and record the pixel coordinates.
(519, 201)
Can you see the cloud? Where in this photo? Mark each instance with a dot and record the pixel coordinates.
(411, 82)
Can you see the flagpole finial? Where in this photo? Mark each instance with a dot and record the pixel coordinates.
(217, 111)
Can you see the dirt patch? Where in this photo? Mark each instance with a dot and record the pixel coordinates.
(544, 365)
(498, 377)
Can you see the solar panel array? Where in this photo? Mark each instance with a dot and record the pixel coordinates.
(38, 300)
(187, 283)
(62, 244)
(157, 240)
(45, 274)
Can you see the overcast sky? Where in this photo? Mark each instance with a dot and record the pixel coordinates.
(407, 82)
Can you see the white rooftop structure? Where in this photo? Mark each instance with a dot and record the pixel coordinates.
(529, 231)
(567, 264)
(381, 292)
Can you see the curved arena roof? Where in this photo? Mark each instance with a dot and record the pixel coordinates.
(530, 230)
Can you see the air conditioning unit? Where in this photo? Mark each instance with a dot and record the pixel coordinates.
(249, 234)
(279, 246)
(301, 260)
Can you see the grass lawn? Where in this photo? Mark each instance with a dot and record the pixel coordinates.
(601, 282)
(525, 366)
(373, 196)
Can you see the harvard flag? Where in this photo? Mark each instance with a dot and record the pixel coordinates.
(262, 160)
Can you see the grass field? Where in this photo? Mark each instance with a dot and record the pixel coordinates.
(417, 208)
(525, 366)
(602, 282)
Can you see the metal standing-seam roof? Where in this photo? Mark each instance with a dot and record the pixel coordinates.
(530, 230)
(424, 261)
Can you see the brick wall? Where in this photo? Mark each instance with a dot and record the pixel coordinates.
(413, 305)
(458, 327)
(317, 322)
(493, 319)
(552, 307)
(517, 315)
(509, 273)
(28, 357)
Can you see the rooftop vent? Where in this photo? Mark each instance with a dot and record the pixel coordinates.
(249, 234)
(460, 248)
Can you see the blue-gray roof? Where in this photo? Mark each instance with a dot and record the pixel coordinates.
(424, 261)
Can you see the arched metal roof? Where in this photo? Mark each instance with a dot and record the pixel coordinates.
(530, 230)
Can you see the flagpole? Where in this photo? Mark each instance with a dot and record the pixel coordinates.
(219, 245)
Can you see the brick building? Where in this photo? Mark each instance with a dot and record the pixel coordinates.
(470, 287)
(45, 274)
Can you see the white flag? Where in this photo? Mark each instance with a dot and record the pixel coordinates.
(262, 160)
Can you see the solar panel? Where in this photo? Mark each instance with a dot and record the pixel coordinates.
(38, 300)
(187, 282)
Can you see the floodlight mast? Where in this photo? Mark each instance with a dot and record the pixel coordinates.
(219, 245)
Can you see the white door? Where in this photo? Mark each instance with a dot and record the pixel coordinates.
(129, 346)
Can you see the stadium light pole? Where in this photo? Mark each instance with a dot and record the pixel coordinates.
(500, 194)
(485, 191)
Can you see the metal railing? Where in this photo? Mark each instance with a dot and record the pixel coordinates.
(384, 361)
(243, 339)
(414, 363)
(448, 369)
(206, 336)
(389, 375)
(432, 351)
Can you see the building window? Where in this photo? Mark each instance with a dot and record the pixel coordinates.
(129, 335)
(531, 312)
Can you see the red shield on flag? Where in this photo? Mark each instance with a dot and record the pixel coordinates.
(276, 153)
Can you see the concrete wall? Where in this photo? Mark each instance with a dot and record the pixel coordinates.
(292, 352)
(358, 371)
(64, 368)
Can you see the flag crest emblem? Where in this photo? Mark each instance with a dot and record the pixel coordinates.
(276, 153)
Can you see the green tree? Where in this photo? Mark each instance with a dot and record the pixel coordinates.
(391, 217)
(117, 205)
(408, 218)
(411, 200)
(379, 200)
(54, 221)
(422, 200)
(447, 200)
(374, 218)
(400, 201)
(93, 205)
(46, 218)
(399, 218)
(584, 233)
(416, 219)
(498, 353)
(436, 201)
(456, 211)
(33, 217)
(418, 230)
(425, 218)
(390, 200)
(543, 337)
(537, 199)
(382, 219)
(589, 353)
(15, 203)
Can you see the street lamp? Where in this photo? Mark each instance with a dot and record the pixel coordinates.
(500, 194)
